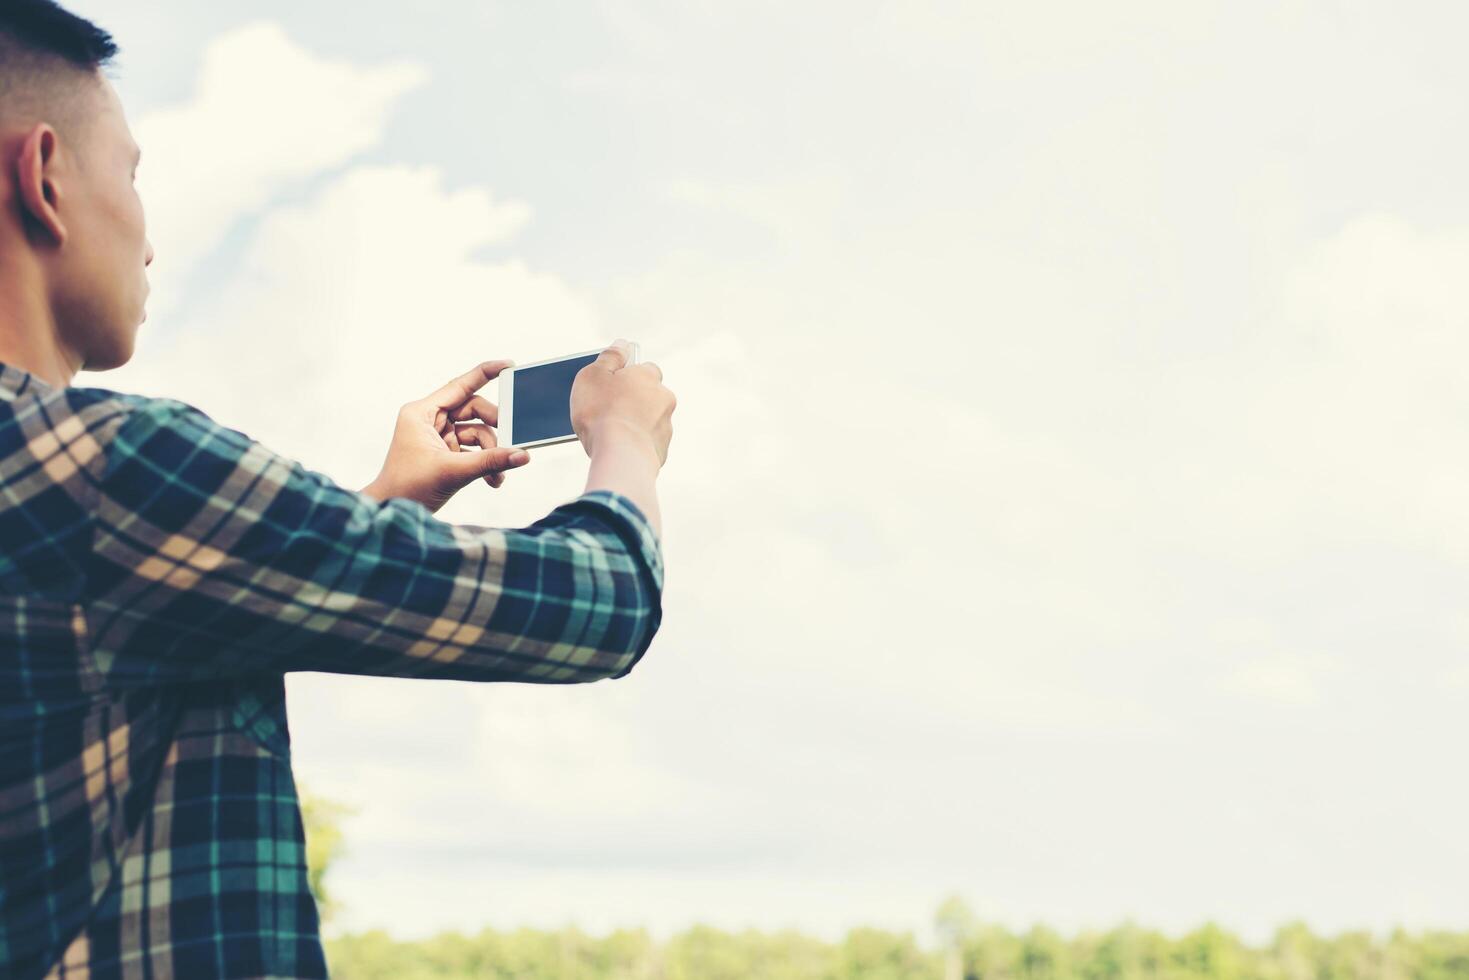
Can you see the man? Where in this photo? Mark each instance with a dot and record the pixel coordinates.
(161, 573)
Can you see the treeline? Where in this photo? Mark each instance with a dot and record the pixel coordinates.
(969, 949)
(973, 951)
(699, 953)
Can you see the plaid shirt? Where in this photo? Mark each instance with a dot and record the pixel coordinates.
(161, 573)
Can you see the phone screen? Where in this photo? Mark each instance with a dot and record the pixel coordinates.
(543, 398)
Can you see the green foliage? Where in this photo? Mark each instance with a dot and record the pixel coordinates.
(969, 949)
(872, 954)
(524, 954)
(986, 952)
(322, 821)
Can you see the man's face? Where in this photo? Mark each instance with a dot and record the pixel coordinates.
(99, 277)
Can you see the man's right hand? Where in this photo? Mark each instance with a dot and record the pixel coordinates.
(610, 400)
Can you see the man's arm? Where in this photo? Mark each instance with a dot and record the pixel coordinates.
(625, 461)
(214, 556)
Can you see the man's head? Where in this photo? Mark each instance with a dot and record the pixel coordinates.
(72, 233)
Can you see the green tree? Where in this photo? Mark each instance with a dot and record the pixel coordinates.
(1209, 953)
(875, 954)
(1124, 953)
(706, 953)
(324, 844)
(1044, 956)
(1293, 953)
(954, 923)
(992, 953)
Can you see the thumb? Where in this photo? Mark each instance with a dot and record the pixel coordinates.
(470, 466)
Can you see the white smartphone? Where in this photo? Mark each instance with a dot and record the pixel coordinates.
(535, 399)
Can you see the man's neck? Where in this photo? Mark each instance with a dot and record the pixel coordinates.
(28, 338)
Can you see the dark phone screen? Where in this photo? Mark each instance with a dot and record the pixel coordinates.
(543, 398)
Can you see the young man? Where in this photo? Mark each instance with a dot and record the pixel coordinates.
(159, 573)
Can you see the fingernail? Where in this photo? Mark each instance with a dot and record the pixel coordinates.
(519, 457)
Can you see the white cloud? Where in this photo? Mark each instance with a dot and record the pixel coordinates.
(347, 306)
(1356, 409)
(265, 113)
(1284, 680)
(799, 210)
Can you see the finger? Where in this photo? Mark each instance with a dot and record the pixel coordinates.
(651, 367)
(473, 464)
(459, 390)
(475, 434)
(484, 437)
(478, 407)
(613, 358)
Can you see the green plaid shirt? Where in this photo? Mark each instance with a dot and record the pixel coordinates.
(161, 573)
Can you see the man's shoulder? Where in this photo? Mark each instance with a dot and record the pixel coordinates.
(130, 421)
(84, 400)
(80, 435)
(140, 442)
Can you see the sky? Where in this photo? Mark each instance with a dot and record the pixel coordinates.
(1065, 503)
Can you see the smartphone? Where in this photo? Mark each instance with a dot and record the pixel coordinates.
(535, 399)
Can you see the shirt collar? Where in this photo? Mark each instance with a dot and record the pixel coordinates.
(16, 381)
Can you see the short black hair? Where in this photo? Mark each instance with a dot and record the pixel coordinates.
(42, 27)
(47, 57)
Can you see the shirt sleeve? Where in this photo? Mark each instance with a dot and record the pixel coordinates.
(214, 556)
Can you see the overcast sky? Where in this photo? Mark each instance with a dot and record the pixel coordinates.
(1066, 506)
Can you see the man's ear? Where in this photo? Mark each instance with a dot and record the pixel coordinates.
(39, 193)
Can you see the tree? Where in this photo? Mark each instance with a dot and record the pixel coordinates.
(876, 954)
(992, 953)
(954, 923)
(324, 844)
(1043, 955)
